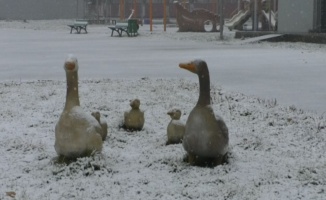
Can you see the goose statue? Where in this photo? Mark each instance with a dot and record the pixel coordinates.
(77, 134)
(176, 128)
(104, 125)
(206, 137)
(134, 119)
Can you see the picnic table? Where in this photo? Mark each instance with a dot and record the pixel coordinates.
(131, 28)
(78, 25)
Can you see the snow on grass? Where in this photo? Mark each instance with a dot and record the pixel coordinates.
(276, 152)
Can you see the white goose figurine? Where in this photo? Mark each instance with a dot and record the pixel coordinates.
(176, 128)
(134, 119)
(103, 124)
(77, 133)
(206, 136)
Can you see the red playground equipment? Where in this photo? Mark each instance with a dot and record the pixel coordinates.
(197, 20)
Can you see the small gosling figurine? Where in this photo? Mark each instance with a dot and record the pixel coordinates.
(104, 125)
(176, 128)
(134, 119)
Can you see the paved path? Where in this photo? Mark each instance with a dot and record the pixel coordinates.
(292, 76)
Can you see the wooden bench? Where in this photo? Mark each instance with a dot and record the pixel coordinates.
(78, 25)
(131, 28)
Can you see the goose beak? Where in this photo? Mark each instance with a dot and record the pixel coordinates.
(70, 66)
(188, 66)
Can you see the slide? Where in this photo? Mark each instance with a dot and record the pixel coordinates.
(240, 12)
(237, 19)
(273, 19)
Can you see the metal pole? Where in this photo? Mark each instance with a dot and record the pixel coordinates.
(151, 14)
(122, 9)
(84, 8)
(239, 5)
(220, 6)
(214, 6)
(270, 15)
(164, 15)
(110, 9)
(77, 9)
(135, 9)
(255, 16)
(97, 11)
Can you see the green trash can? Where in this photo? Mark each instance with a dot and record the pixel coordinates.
(133, 27)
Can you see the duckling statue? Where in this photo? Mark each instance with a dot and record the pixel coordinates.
(134, 119)
(104, 125)
(176, 128)
(206, 138)
(77, 134)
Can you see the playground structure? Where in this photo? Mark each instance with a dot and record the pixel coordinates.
(258, 11)
(272, 20)
(197, 20)
(190, 15)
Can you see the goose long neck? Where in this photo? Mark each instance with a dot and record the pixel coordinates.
(72, 97)
(204, 88)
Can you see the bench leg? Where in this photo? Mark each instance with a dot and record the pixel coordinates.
(84, 28)
(71, 30)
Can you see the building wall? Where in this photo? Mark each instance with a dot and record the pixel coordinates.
(41, 9)
(296, 16)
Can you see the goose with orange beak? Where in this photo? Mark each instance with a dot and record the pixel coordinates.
(206, 135)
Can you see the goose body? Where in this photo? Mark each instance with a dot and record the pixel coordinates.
(134, 119)
(176, 128)
(206, 136)
(104, 125)
(77, 133)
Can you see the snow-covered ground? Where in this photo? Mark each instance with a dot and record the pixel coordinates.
(271, 96)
